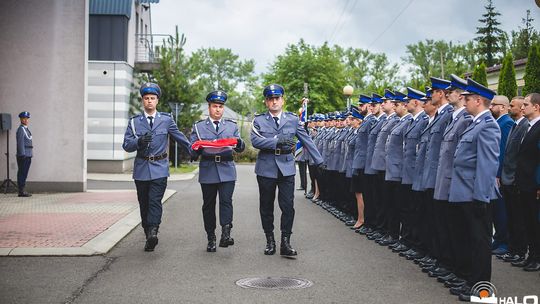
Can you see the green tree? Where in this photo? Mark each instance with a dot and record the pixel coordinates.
(522, 39)
(489, 35)
(480, 74)
(320, 67)
(507, 78)
(174, 78)
(438, 58)
(532, 71)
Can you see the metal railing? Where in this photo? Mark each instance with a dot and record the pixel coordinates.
(147, 47)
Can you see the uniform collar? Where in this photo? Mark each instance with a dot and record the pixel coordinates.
(456, 112)
(441, 109)
(153, 114)
(405, 116)
(475, 119)
(418, 114)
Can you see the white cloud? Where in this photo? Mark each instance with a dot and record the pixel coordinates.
(261, 30)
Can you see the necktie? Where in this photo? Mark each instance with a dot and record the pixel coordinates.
(151, 121)
(276, 121)
(217, 125)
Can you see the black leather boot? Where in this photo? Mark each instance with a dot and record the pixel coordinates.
(270, 244)
(286, 248)
(226, 239)
(152, 239)
(211, 243)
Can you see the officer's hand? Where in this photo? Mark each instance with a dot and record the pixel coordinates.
(320, 168)
(285, 142)
(194, 156)
(239, 143)
(145, 139)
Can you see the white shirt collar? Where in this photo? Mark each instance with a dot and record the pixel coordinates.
(480, 114)
(278, 116)
(519, 120)
(147, 115)
(418, 114)
(456, 112)
(533, 122)
(440, 109)
(380, 115)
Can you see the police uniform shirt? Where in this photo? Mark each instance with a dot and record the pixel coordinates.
(153, 115)
(24, 142)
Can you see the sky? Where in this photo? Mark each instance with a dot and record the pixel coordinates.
(261, 30)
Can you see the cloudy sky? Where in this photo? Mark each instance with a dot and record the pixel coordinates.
(261, 30)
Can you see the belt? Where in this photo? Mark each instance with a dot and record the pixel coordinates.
(217, 158)
(276, 151)
(153, 157)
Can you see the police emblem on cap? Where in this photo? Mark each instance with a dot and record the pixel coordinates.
(218, 96)
(24, 114)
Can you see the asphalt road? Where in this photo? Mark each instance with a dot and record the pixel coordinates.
(343, 266)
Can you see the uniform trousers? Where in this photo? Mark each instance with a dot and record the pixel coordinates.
(395, 196)
(210, 191)
(370, 196)
(380, 204)
(150, 193)
(267, 195)
(471, 237)
(302, 169)
(23, 165)
(517, 240)
(407, 215)
(532, 223)
(312, 169)
(443, 218)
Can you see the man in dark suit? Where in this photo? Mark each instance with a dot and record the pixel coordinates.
(528, 160)
(517, 243)
(499, 110)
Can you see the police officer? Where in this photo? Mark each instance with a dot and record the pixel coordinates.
(473, 185)
(148, 134)
(24, 153)
(273, 134)
(217, 172)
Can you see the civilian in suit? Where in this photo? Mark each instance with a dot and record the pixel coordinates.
(517, 243)
(217, 171)
(499, 110)
(528, 160)
(473, 186)
(273, 134)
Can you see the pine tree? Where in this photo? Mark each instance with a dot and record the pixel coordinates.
(507, 78)
(489, 35)
(532, 71)
(480, 74)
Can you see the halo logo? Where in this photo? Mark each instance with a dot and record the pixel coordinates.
(483, 292)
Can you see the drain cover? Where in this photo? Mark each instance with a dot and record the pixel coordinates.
(274, 283)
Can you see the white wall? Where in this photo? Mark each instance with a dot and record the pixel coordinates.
(44, 65)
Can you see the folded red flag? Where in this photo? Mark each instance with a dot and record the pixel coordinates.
(216, 143)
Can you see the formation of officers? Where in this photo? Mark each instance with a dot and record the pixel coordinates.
(421, 173)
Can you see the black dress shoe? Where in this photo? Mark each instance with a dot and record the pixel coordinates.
(350, 223)
(465, 297)
(375, 236)
(24, 194)
(414, 256)
(152, 239)
(455, 283)
(438, 272)
(407, 252)
(459, 290)
(211, 247)
(521, 263)
(285, 248)
(310, 195)
(532, 266)
(446, 278)
(226, 239)
(270, 248)
(427, 269)
(514, 258)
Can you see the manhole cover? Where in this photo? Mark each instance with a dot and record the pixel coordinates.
(274, 283)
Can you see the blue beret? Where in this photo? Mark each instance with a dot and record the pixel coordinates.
(439, 84)
(388, 95)
(415, 94)
(218, 96)
(150, 88)
(273, 90)
(24, 114)
(376, 98)
(401, 97)
(457, 83)
(364, 99)
(474, 88)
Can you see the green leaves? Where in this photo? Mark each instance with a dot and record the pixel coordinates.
(507, 78)
(532, 71)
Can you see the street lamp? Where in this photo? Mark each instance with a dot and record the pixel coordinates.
(348, 91)
(176, 107)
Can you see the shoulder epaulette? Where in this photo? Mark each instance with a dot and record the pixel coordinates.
(198, 121)
(165, 113)
(135, 116)
(233, 121)
(291, 113)
(426, 117)
(257, 115)
(488, 119)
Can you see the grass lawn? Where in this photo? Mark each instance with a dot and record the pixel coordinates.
(183, 168)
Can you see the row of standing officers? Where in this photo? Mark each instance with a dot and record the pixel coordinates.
(419, 172)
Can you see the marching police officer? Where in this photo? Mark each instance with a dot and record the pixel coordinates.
(217, 172)
(148, 134)
(273, 134)
(24, 153)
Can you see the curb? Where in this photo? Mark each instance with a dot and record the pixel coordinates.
(100, 244)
